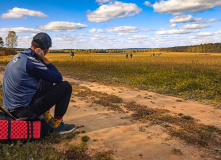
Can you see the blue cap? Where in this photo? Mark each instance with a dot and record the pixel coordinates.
(42, 40)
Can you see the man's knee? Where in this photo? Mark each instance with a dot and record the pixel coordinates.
(67, 85)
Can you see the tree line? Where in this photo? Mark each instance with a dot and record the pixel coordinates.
(202, 48)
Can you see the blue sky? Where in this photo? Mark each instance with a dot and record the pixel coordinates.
(106, 24)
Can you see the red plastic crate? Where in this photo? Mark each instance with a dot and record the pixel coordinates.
(19, 130)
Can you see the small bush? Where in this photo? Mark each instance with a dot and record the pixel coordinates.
(187, 117)
(85, 138)
(177, 151)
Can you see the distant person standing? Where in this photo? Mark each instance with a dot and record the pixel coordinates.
(131, 55)
(72, 54)
(126, 55)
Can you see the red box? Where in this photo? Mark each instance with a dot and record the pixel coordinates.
(19, 130)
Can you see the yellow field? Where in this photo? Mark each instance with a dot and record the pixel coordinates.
(189, 75)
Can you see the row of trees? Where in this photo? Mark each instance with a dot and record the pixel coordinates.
(202, 48)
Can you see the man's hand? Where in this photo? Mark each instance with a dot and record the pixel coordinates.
(40, 53)
(41, 56)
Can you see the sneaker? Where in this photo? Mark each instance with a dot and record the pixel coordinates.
(64, 128)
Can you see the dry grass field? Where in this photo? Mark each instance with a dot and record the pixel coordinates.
(189, 75)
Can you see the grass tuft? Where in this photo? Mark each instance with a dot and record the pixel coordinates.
(177, 152)
(103, 155)
(85, 138)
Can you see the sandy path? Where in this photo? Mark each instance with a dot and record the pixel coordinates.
(133, 140)
(206, 114)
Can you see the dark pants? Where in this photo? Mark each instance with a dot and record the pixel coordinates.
(47, 96)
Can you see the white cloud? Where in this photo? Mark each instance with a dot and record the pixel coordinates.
(20, 30)
(205, 34)
(21, 13)
(96, 31)
(101, 38)
(112, 11)
(218, 32)
(184, 6)
(194, 26)
(60, 26)
(103, 1)
(138, 38)
(148, 4)
(211, 20)
(67, 38)
(24, 42)
(173, 25)
(178, 31)
(182, 19)
(189, 18)
(124, 30)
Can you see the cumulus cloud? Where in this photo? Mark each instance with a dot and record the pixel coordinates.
(189, 18)
(96, 31)
(147, 3)
(24, 41)
(173, 25)
(112, 11)
(194, 26)
(21, 13)
(67, 38)
(184, 6)
(20, 30)
(205, 34)
(60, 26)
(178, 31)
(124, 30)
(103, 1)
(101, 38)
(218, 32)
(182, 19)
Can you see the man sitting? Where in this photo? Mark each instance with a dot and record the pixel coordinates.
(28, 90)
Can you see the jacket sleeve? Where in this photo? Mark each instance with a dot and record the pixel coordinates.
(40, 71)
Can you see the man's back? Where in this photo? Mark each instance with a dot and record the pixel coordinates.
(18, 86)
(22, 76)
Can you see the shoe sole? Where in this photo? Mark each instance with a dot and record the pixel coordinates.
(65, 132)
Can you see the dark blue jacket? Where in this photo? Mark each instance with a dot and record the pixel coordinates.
(22, 76)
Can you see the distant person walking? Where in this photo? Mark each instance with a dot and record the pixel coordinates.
(72, 54)
(131, 55)
(126, 55)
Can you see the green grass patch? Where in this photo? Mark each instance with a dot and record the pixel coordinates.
(103, 155)
(32, 150)
(177, 152)
(103, 98)
(85, 138)
(77, 152)
(108, 104)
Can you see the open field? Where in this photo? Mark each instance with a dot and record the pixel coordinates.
(194, 76)
(126, 122)
(188, 75)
